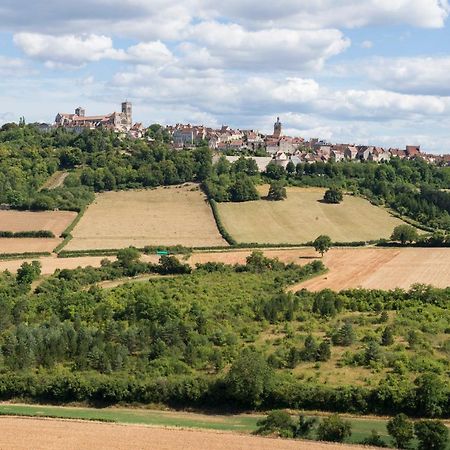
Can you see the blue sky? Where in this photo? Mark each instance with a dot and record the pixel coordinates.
(367, 71)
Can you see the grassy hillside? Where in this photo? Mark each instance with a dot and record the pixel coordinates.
(303, 216)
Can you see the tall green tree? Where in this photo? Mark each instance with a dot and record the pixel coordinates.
(404, 234)
(250, 378)
(431, 434)
(402, 430)
(322, 244)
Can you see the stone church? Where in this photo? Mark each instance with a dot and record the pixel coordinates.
(117, 121)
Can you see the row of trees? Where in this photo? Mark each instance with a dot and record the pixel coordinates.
(430, 434)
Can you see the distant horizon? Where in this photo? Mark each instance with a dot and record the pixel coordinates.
(371, 72)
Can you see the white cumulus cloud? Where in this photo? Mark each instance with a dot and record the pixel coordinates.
(415, 75)
(68, 49)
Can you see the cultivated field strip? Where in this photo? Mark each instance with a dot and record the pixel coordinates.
(55, 221)
(378, 268)
(375, 268)
(50, 434)
(178, 215)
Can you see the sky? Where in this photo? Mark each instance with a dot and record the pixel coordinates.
(350, 71)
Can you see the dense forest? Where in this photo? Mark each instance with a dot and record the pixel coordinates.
(222, 336)
(101, 161)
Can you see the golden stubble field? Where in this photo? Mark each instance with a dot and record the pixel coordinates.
(55, 221)
(178, 215)
(382, 268)
(372, 268)
(302, 217)
(18, 433)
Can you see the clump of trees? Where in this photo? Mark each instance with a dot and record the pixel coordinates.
(333, 195)
(431, 434)
(280, 423)
(404, 234)
(233, 182)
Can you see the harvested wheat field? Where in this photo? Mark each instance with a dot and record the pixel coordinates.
(28, 245)
(48, 434)
(378, 268)
(55, 221)
(178, 215)
(303, 216)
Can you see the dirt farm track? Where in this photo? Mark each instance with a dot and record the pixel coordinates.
(50, 434)
(380, 268)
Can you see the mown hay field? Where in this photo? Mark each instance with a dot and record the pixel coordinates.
(28, 245)
(47, 434)
(55, 221)
(177, 215)
(303, 216)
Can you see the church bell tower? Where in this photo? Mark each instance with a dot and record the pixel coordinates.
(127, 119)
(277, 128)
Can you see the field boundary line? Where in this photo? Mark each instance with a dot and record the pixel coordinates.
(66, 234)
(26, 255)
(222, 230)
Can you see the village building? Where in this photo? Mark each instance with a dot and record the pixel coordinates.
(350, 152)
(188, 135)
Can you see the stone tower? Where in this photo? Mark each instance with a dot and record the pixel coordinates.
(80, 112)
(127, 119)
(277, 128)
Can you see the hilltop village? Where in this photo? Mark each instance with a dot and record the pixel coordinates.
(263, 148)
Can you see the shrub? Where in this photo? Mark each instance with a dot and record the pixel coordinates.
(333, 195)
(277, 422)
(334, 429)
(431, 434)
(304, 427)
(401, 429)
(374, 440)
(277, 191)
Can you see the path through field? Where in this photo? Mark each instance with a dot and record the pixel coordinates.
(19, 433)
(55, 181)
